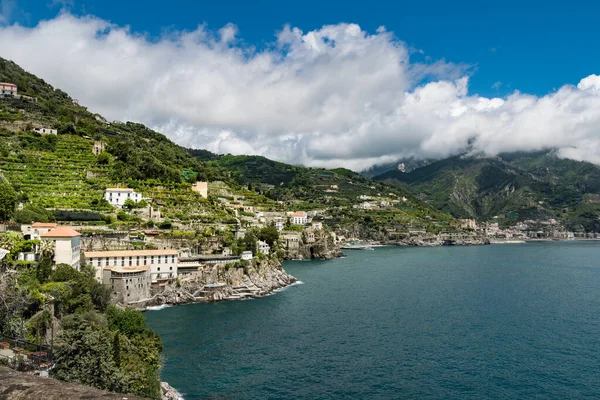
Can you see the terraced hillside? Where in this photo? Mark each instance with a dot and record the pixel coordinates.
(67, 176)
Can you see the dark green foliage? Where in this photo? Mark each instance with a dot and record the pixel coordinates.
(268, 234)
(166, 224)
(44, 269)
(8, 201)
(63, 215)
(84, 354)
(127, 321)
(32, 213)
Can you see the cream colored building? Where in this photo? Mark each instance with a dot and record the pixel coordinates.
(46, 131)
(202, 188)
(67, 248)
(162, 263)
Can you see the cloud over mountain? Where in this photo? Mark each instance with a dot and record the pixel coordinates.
(337, 96)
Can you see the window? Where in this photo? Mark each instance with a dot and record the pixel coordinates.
(158, 269)
(130, 261)
(173, 259)
(152, 260)
(171, 268)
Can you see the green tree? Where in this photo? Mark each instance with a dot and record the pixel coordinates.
(126, 321)
(8, 201)
(268, 234)
(129, 204)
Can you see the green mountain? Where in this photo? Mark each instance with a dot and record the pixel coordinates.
(62, 172)
(512, 187)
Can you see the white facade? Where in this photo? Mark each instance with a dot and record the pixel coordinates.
(46, 131)
(67, 248)
(263, 247)
(247, 255)
(162, 263)
(299, 218)
(117, 196)
(279, 223)
(36, 230)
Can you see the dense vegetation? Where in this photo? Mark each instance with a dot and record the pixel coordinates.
(95, 343)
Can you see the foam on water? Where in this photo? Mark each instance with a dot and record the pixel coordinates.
(158, 308)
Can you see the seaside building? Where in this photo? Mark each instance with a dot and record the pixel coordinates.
(162, 263)
(8, 89)
(116, 196)
(67, 248)
(128, 284)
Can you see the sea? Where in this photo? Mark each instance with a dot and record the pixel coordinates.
(513, 321)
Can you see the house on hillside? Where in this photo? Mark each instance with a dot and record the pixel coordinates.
(299, 218)
(202, 188)
(116, 196)
(46, 131)
(8, 89)
(128, 284)
(67, 248)
(263, 247)
(36, 230)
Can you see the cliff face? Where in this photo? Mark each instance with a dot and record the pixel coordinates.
(322, 248)
(220, 282)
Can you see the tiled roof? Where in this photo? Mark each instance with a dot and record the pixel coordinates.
(130, 253)
(119, 190)
(43, 225)
(61, 232)
(128, 269)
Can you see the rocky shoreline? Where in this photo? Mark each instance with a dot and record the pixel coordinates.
(220, 284)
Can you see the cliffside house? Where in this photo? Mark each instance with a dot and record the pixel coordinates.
(46, 131)
(202, 188)
(162, 263)
(8, 89)
(263, 247)
(310, 236)
(116, 196)
(67, 248)
(36, 230)
(128, 284)
(279, 223)
(247, 255)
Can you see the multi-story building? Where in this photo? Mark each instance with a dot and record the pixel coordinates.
(67, 248)
(8, 89)
(128, 284)
(299, 218)
(263, 247)
(162, 263)
(117, 196)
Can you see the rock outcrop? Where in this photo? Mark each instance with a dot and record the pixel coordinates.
(169, 393)
(321, 247)
(19, 386)
(221, 282)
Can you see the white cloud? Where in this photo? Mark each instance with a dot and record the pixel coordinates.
(337, 96)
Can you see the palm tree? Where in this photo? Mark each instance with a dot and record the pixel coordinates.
(47, 248)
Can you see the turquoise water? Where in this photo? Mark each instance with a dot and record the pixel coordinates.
(481, 322)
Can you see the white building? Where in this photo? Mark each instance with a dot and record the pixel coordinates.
(246, 255)
(263, 247)
(162, 263)
(46, 131)
(279, 223)
(299, 218)
(117, 196)
(8, 89)
(36, 230)
(67, 248)
(317, 226)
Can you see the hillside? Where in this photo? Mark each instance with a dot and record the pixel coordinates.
(512, 187)
(62, 172)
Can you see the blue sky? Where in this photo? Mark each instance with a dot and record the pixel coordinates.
(531, 46)
(320, 83)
